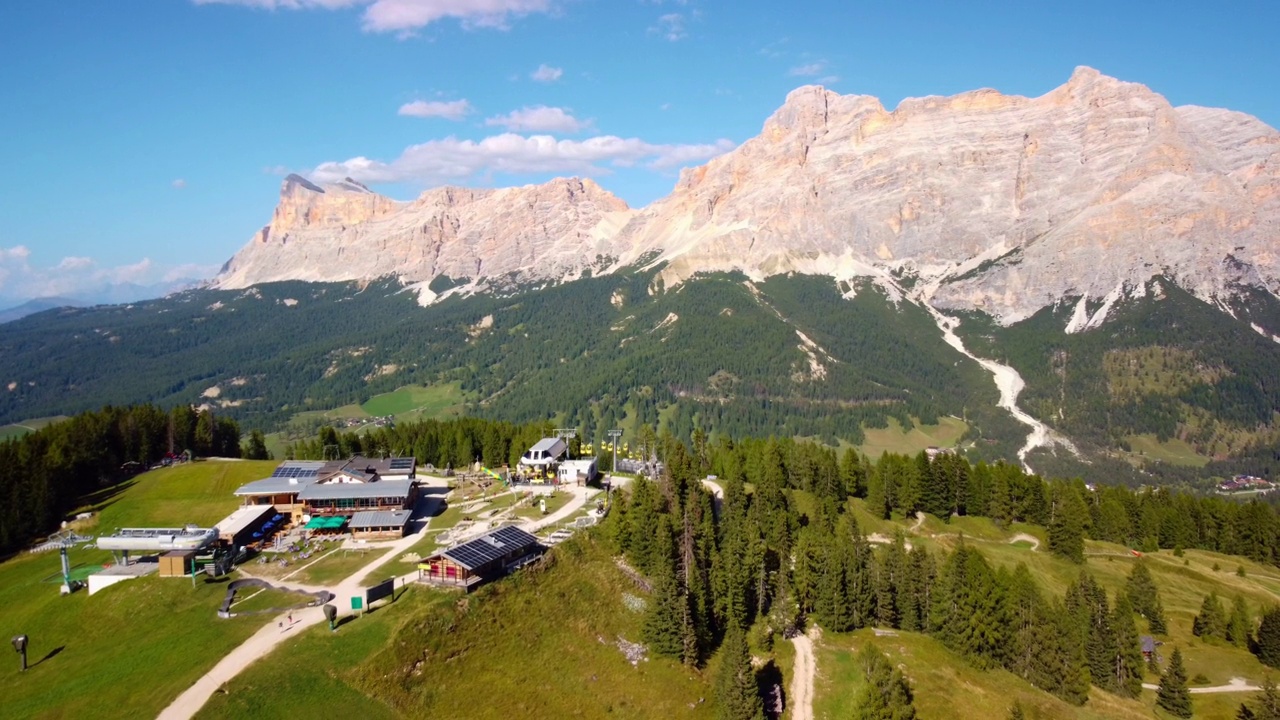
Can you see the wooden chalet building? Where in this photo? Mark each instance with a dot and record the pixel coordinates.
(309, 487)
(486, 558)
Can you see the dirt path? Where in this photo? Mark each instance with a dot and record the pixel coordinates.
(1236, 685)
(279, 629)
(1035, 541)
(802, 680)
(915, 527)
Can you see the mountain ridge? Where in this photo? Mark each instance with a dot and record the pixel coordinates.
(990, 202)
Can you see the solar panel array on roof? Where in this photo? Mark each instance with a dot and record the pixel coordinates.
(401, 463)
(489, 547)
(287, 471)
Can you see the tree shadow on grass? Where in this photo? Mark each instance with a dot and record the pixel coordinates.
(769, 685)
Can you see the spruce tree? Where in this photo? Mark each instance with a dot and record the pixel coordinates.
(737, 696)
(1145, 598)
(1016, 713)
(1267, 643)
(1211, 622)
(1238, 625)
(1066, 528)
(887, 694)
(1127, 666)
(664, 623)
(1173, 694)
(1087, 603)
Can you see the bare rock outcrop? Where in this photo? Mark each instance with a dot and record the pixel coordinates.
(345, 232)
(1000, 203)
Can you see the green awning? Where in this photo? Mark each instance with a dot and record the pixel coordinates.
(334, 522)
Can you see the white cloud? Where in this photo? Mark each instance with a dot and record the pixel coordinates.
(539, 118)
(809, 69)
(671, 27)
(84, 278)
(179, 184)
(451, 110)
(402, 16)
(452, 160)
(828, 79)
(546, 73)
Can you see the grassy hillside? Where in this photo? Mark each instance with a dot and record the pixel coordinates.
(541, 644)
(128, 650)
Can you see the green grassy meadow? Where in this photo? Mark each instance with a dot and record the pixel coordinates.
(897, 439)
(416, 402)
(1172, 451)
(17, 430)
(539, 644)
(128, 650)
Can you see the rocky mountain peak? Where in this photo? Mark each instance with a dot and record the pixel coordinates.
(995, 202)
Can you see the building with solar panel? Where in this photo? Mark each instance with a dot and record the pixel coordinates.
(308, 488)
(486, 558)
(282, 488)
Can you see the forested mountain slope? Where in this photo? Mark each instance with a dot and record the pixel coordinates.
(788, 356)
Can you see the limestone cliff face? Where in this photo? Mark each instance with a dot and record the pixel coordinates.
(994, 202)
(1004, 204)
(345, 232)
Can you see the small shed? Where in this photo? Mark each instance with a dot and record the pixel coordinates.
(486, 558)
(376, 524)
(577, 472)
(177, 563)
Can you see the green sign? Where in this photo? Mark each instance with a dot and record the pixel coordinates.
(357, 603)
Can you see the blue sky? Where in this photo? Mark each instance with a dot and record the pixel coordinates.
(145, 140)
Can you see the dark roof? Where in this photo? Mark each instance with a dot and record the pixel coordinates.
(351, 491)
(379, 519)
(491, 546)
(385, 466)
(1148, 644)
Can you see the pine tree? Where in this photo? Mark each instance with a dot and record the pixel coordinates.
(1267, 643)
(737, 696)
(1016, 713)
(1238, 625)
(664, 622)
(887, 694)
(1127, 666)
(1211, 622)
(1173, 694)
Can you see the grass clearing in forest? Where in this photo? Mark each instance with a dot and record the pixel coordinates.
(18, 429)
(945, 685)
(1172, 451)
(416, 402)
(903, 441)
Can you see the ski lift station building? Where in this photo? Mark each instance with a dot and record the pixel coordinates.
(545, 453)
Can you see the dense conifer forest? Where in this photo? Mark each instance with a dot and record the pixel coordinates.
(49, 473)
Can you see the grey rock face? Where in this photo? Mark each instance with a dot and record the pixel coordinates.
(999, 203)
